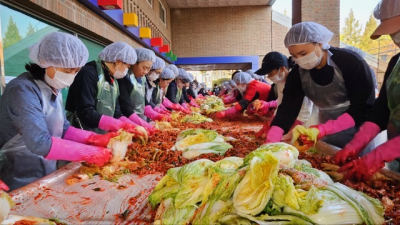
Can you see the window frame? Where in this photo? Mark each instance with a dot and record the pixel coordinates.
(150, 2)
(162, 7)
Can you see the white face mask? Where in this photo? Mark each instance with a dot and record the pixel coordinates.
(309, 61)
(396, 38)
(277, 78)
(60, 79)
(153, 76)
(241, 88)
(118, 74)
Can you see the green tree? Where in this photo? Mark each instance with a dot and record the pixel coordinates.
(351, 32)
(12, 34)
(30, 30)
(366, 43)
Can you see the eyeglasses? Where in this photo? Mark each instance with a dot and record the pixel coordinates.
(69, 70)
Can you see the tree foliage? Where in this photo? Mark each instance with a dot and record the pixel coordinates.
(351, 32)
(12, 35)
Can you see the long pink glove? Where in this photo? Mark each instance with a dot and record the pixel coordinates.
(230, 113)
(193, 103)
(167, 103)
(364, 167)
(229, 99)
(88, 137)
(343, 122)
(274, 135)
(136, 119)
(3, 186)
(186, 106)
(155, 116)
(76, 152)
(363, 137)
(109, 123)
(162, 110)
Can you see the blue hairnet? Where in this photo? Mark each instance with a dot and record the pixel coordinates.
(59, 49)
(232, 84)
(173, 68)
(308, 32)
(158, 64)
(191, 77)
(144, 54)
(183, 75)
(242, 78)
(167, 74)
(251, 72)
(118, 51)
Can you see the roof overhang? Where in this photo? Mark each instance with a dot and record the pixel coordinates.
(174, 4)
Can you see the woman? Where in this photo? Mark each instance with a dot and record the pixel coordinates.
(385, 113)
(337, 81)
(233, 95)
(188, 93)
(250, 89)
(277, 67)
(34, 132)
(92, 101)
(151, 77)
(174, 92)
(166, 77)
(203, 89)
(133, 89)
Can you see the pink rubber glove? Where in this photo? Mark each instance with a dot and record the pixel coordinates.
(186, 106)
(192, 103)
(163, 108)
(297, 122)
(274, 135)
(155, 116)
(264, 107)
(343, 122)
(109, 123)
(230, 113)
(264, 130)
(229, 99)
(3, 186)
(363, 168)
(363, 137)
(167, 103)
(159, 109)
(76, 152)
(136, 119)
(88, 137)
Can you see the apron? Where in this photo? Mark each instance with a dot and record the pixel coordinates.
(178, 94)
(159, 96)
(331, 100)
(25, 166)
(106, 101)
(393, 95)
(149, 91)
(138, 96)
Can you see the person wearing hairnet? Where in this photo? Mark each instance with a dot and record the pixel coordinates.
(224, 90)
(165, 78)
(188, 93)
(34, 131)
(337, 81)
(92, 101)
(203, 89)
(176, 72)
(251, 90)
(173, 98)
(234, 95)
(385, 113)
(277, 67)
(133, 88)
(151, 77)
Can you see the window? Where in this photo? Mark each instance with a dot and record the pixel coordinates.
(18, 32)
(150, 2)
(163, 13)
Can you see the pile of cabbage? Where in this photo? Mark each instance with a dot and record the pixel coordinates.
(211, 104)
(268, 186)
(194, 142)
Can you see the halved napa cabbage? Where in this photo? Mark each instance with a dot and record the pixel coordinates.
(168, 214)
(255, 189)
(285, 153)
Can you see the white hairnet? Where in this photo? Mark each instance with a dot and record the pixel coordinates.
(59, 50)
(251, 72)
(118, 51)
(308, 32)
(167, 74)
(232, 84)
(144, 54)
(242, 78)
(387, 9)
(183, 75)
(173, 68)
(356, 50)
(158, 64)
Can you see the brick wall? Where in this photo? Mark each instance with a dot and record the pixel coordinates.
(325, 12)
(151, 14)
(278, 35)
(223, 31)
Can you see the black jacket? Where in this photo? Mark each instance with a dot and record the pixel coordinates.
(171, 93)
(82, 95)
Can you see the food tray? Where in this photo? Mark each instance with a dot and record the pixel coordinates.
(51, 197)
